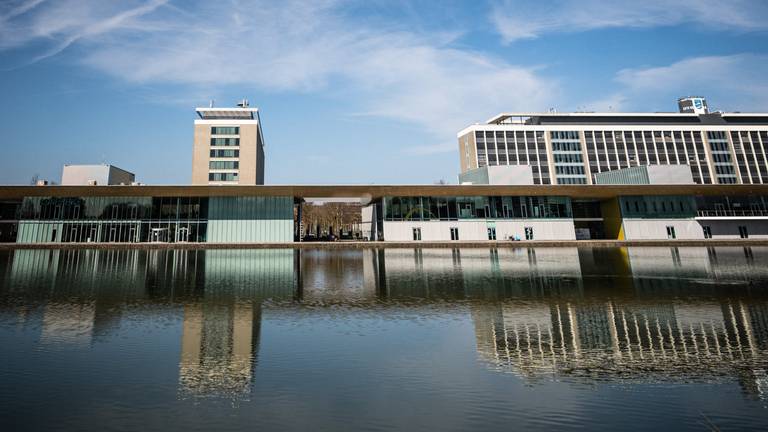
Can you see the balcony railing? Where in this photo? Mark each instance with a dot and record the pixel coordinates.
(732, 213)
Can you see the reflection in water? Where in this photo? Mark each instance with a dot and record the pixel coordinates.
(637, 314)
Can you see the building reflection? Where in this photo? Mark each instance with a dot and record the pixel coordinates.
(78, 297)
(614, 314)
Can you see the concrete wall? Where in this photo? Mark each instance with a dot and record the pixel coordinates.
(368, 221)
(81, 175)
(729, 228)
(656, 229)
(499, 175)
(119, 176)
(467, 152)
(647, 174)
(669, 174)
(543, 229)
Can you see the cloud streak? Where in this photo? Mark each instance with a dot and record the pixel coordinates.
(526, 19)
(731, 83)
(295, 46)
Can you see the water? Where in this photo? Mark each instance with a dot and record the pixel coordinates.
(471, 339)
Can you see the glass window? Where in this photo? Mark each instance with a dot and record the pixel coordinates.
(225, 130)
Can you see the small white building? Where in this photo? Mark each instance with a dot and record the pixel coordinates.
(94, 175)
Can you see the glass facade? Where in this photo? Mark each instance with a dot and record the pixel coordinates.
(225, 130)
(154, 219)
(225, 142)
(515, 148)
(658, 207)
(223, 165)
(225, 153)
(222, 176)
(568, 158)
(732, 206)
(713, 156)
(725, 172)
(224, 170)
(481, 207)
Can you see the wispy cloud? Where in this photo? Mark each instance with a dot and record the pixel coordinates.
(383, 70)
(524, 19)
(731, 83)
(431, 149)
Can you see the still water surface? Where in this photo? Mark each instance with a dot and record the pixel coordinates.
(471, 339)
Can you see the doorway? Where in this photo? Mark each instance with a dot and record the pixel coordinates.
(182, 235)
(159, 235)
(671, 232)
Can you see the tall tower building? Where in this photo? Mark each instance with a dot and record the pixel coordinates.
(229, 146)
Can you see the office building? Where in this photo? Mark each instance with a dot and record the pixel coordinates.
(572, 148)
(95, 175)
(228, 147)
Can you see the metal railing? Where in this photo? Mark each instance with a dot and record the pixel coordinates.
(732, 213)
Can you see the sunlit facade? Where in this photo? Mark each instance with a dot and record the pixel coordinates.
(571, 148)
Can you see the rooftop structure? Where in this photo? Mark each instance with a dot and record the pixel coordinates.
(95, 175)
(498, 175)
(647, 174)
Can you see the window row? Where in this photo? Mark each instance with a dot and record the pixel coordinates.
(658, 206)
(225, 142)
(454, 208)
(572, 135)
(222, 176)
(219, 165)
(113, 208)
(225, 130)
(225, 153)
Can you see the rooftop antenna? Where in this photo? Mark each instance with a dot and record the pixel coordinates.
(210, 103)
(243, 103)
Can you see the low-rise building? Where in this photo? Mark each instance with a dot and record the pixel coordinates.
(95, 175)
(408, 213)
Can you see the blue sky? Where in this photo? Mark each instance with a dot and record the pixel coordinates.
(349, 91)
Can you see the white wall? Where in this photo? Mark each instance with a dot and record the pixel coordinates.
(656, 229)
(555, 229)
(729, 228)
(368, 221)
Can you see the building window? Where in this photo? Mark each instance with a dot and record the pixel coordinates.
(743, 233)
(454, 233)
(529, 233)
(707, 231)
(219, 153)
(417, 234)
(491, 233)
(225, 142)
(223, 164)
(225, 130)
(222, 176)
(671, 232)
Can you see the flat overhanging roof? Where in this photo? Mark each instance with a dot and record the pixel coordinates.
(647, 116)
(226, 113)
(503, 116)
(368, 193)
